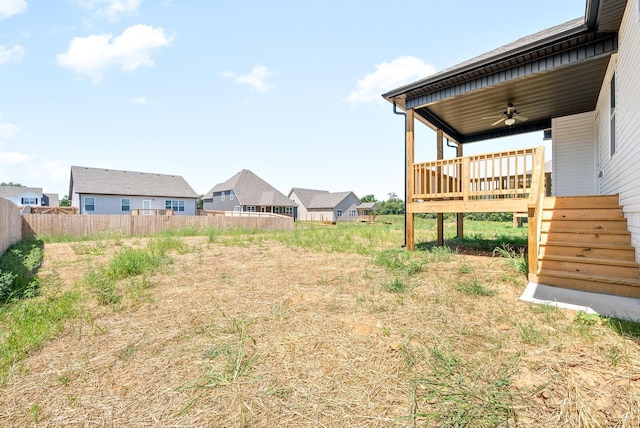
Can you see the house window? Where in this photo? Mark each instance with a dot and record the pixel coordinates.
(174, 205)
(89, 204)
(288, 210)
(222, 196)
(236, 208)
(338, 213)
(276, 210)
(125, 204)
(250, 208)
(231, 195)
(612, 116)
(352, 213)
(29, 201)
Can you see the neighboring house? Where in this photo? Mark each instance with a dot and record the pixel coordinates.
(110, 191)
(577, 81)
(50, 200)
(246, 192)
(23, 196)
(325, 206)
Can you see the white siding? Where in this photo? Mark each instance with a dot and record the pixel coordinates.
(574, 158)
(621, 171)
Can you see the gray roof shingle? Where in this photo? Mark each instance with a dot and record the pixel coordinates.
(252, 190)
(101, 181)
(318, 199)
(14, 191)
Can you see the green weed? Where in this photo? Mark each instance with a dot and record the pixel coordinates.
(516, 259)
(473, 287)
(395, 286)
(18, 266)
(458, 393)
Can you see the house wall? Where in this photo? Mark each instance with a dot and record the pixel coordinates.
(574, 155)
(351, 201)
(620, 172)
(301, 212)
(217, 204)
(18, 199)
(112, 204)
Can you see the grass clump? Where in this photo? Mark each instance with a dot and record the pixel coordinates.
(18, 266)
(395, 286)
(516, 259)
(457, 393)
(473, 287)
(232, 359)
(400, 261)
(27, 324)
(127, 264)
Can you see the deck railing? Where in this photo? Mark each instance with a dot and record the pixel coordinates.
(486, 176)
(502, 181)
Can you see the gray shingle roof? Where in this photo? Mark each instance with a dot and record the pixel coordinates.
(318, 199)
(14, 191)
(103, 181)
(252, 190)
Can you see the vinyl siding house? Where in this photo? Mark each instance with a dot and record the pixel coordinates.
(109, 191)
(325, 206)
(246, 192)
(578, 81)
(24, 196)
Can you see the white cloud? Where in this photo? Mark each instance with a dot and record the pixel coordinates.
(93, 56)
(12, 158)
(140, 100)
(8, 131)
(13, 54)
(111, 9)
(257, 78)
(389, 75)
(12, 7)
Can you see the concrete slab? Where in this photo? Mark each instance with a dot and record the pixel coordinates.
(592, 303)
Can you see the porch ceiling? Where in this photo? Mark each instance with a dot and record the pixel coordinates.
(554, 73)
(539, 97)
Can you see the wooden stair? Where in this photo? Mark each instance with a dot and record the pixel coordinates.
(585, 245)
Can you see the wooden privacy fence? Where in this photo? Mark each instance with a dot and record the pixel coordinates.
(83, 225)
(10, 224)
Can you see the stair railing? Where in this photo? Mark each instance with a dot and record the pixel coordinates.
(534, 208)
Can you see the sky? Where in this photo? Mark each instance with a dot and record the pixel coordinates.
(290, 90)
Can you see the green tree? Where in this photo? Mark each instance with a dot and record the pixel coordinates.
(393, 205)
(368, 198)
(65, 202)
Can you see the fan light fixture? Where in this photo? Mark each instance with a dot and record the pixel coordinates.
(510, 121)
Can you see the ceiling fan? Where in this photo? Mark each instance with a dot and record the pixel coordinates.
(509, 116)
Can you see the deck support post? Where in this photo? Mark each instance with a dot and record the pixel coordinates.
(460, 216)
(440, 156)
(410, 158)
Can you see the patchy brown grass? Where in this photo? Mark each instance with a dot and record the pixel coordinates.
(262, 335)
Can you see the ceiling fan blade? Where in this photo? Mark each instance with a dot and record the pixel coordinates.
(522, 118)
(497, 122)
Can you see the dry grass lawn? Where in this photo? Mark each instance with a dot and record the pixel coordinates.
(262, 335)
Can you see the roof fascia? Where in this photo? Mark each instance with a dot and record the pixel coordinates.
(488, 61)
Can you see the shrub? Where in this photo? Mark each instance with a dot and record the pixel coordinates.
(17, 270)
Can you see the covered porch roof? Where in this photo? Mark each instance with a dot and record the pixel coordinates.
(556, 72)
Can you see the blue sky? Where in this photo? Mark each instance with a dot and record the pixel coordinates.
(288, 89)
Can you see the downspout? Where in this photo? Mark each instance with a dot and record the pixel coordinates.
(401, 113)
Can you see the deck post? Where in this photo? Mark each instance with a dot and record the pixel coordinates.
(440, 156)
(460, 216)
(410, 155)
